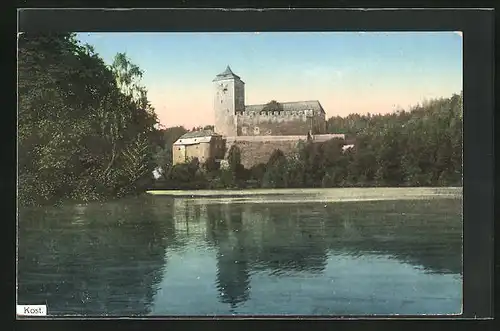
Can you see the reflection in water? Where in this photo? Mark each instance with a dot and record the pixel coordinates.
(233, 279)
(152, 255)
(90, 260)
(426, 234)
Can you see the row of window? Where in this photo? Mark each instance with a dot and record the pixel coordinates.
(267, 113)
(293, 113)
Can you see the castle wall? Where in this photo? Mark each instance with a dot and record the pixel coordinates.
(257, 129)
(276, 124)
(255, 150)
(258, 149)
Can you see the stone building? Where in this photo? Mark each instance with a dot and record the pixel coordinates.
(200, 144)
(256, 129)
(234, 118)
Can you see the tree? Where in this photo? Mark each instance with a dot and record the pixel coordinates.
(234, 158)
(211, 165)
(273, 105)
(56, 99)
(162, 157)
(294, 172)
(257, 173)
(275, 175)
(128, 77)
(163, 149)
(137, 164)
(419, 147)
(75, 123)
(362, 167)
(208, 127)
(135, 116)
(193, 166)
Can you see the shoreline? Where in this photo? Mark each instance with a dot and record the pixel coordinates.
(381, 193)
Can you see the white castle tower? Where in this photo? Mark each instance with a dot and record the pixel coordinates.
(229, 99)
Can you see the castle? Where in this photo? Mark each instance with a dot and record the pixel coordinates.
(256, 129)
(234, 118)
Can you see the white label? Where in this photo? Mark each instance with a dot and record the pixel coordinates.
(31, 310)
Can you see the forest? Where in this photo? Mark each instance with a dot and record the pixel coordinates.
(87, 132)
(421, 146)
(85, 129)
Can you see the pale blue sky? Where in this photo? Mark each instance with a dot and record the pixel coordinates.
(347, 72)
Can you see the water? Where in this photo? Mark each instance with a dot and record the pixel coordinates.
(157, 255)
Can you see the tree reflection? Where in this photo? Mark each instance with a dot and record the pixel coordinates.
(233, 278)
(288, 242)
(282, 239)
(424, 233)
(92, 259)
(249, 238)
(96, 259)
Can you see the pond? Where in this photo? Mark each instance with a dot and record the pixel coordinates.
(281, 254)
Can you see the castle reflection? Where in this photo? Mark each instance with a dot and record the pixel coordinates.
(282, 239)
(110, 258)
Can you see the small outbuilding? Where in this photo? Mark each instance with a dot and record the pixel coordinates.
(203, 144)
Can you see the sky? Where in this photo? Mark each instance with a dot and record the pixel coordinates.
(348, 72)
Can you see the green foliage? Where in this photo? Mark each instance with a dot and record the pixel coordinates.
(163, 145)
(234, 158)
(206, 127)
(137, 164)
(210, 165)
(226, 179)
(87, 131)
(420, 147)
(273, 105)
(162, 157)
(209, 127)
(84, 127)
(276, 171)
(256, 173)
